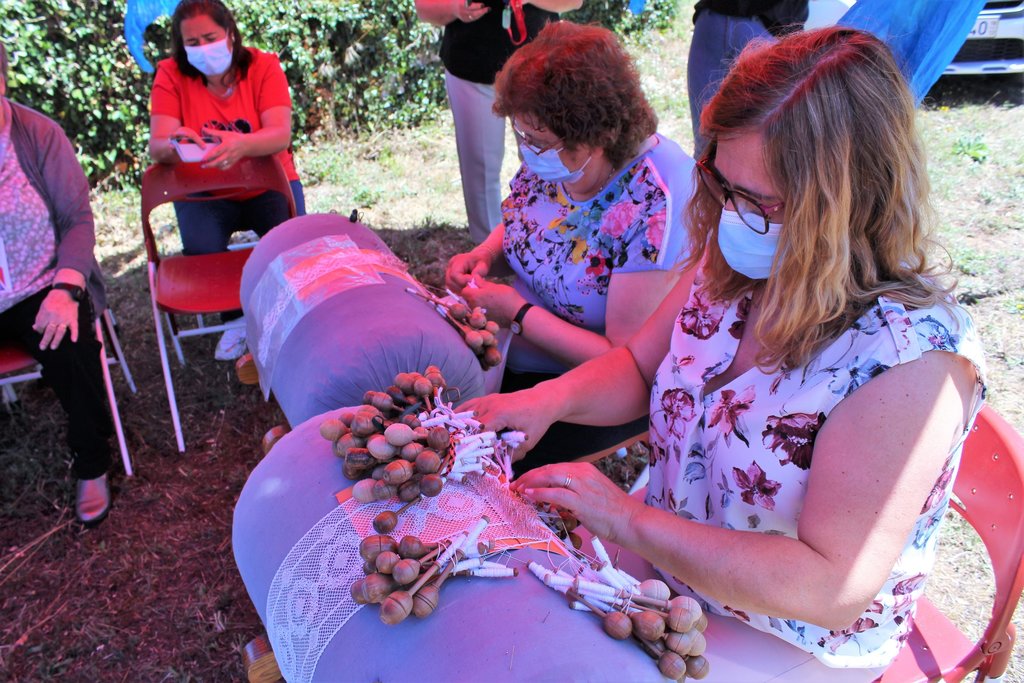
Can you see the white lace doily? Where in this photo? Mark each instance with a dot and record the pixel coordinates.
(309, 599)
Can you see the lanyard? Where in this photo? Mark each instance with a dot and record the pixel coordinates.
(514, 8)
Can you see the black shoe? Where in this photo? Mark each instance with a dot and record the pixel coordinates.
(92, 500)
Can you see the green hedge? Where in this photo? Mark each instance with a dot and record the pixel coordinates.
(354, 64)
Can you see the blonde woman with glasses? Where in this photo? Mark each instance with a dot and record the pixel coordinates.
(808, 412)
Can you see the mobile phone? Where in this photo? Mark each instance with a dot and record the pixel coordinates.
(188, 151)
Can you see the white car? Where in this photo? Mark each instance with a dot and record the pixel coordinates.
(995, 44)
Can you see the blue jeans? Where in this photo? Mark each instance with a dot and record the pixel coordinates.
(206, 227)
(717, 40)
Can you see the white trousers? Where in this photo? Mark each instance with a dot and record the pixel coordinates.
(480, 141)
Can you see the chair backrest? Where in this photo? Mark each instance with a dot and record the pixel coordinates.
(989, 493)
(163, 183)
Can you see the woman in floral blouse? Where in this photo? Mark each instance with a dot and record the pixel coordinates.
(805, 433)
(591, 226)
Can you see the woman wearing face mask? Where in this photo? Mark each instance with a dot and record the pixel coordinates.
(591, 226)
(233, 101)
(808, 412)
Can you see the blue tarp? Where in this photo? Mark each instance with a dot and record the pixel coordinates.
(139, 15)
(924, 35)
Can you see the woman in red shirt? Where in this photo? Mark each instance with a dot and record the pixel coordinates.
(232, 101)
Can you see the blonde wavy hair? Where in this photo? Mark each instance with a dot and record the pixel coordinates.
(837, 123)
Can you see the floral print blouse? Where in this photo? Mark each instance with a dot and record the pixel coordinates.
(739, 457)
(28, 243)
(564, 252)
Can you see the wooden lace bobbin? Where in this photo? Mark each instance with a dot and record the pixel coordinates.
(431, 485)
(697, 667)
(397, 472)
(333, 429)
(672, 665)
(374, 545)
(372, 589)
(406, 571)
(273, 435)
(618, 625)
(246, 370)
(386, 521)
(385, 562)
(427, 461)
(259, 661)
(410, 490)
(438, 438)
(412, 547)
(346, 442)
(648, 625)
(411, 451)
(655, 589)
(380, 449)
(396, 607)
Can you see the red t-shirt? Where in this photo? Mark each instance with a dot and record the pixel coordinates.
(187, 99)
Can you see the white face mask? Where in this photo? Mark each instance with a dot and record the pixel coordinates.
(548, 165)
(747, 252)
(211, 59)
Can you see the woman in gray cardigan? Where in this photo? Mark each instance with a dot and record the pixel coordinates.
(50, 283)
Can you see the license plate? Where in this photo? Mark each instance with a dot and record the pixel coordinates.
(984, 28)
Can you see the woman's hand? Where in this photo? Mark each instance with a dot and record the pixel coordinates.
(233, 148)
(501, 301)
(468, 13)
(464, 267)
(184, 132)
(57, 315)
(525, 411)
(597, 503)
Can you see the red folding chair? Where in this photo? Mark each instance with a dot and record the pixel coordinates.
(208, 283)
(989, 494)
(16, 366)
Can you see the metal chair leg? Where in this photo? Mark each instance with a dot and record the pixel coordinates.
(112, 400)
(108, 319)
(165, 364)
(173, 328)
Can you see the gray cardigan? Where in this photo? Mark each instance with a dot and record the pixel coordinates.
(48, 160)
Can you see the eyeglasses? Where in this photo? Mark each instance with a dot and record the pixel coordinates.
(754, 214)
(524, 138)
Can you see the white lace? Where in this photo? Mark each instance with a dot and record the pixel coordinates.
(309, 599)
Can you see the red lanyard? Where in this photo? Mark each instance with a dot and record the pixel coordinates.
(514, 8)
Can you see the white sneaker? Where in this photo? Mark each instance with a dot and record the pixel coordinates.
(231, 345)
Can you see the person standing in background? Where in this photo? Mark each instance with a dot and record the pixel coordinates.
(721, 29)
(478, 38)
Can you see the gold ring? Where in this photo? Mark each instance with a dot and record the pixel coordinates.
(568, 480)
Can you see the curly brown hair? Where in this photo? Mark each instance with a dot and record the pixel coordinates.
(579, 83)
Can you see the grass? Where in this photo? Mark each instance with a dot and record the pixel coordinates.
(153, 594)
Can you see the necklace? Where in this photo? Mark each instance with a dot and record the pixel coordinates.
(595, 189)
(218, 89)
